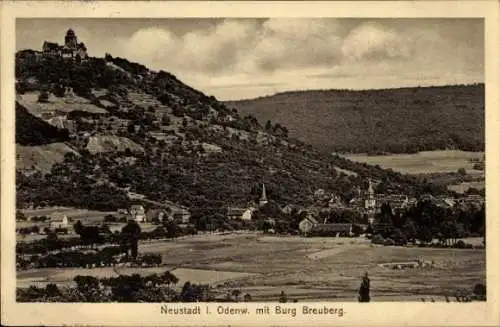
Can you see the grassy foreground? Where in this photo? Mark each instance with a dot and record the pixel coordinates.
(307, 269)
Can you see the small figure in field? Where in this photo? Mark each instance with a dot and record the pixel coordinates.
(364, 289)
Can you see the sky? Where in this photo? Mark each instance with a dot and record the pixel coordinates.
(246, 58)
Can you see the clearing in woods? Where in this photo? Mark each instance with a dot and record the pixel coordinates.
(423, 162)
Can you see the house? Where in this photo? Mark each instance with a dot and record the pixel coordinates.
(59, 221)
(338, 230)
(288, 209)
(155, 215)
(180, 215)
(396, 201)
(240, 213)
(137, 213)
(271, 221)
(336, 202)
(307, 224)
(116, 228)
(51, 49)
(320, 194)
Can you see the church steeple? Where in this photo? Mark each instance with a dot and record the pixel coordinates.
(371, 192)
(370, 203)
(263, 197)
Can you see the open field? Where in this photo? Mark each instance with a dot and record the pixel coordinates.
(65, 104)
(423, 162)
(463, 187)
(76, 214)
(307, 269)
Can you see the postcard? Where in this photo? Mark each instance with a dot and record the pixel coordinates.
(171, 163)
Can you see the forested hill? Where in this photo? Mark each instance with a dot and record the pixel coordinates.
(402, 120)
(133, 129)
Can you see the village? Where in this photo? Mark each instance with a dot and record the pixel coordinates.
(361, 210)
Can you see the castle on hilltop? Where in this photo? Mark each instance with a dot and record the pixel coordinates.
(70, 50)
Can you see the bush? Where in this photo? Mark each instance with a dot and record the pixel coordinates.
(378, 239)
(110, 218)
(460, 244)
(479, 291)
(389, 241)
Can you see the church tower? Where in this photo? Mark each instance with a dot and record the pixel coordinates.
(70, 40)
(263, 197)
(370, 203)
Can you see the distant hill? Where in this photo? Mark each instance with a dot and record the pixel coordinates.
(405, 120)
(131, 129)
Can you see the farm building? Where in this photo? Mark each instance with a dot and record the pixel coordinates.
(288, 209)
(180, 215)
(307, 224)
(59, 221)
(155, 214)
(116, 228)
(240, 213)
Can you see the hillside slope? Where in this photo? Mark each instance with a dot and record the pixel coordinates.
(31, 130)
(41, 157)
(169, 142)
(394, 120)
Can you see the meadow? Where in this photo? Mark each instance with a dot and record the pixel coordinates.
(307, 269)
(423, 162)
(463, 187)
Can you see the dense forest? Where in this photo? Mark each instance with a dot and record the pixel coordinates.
(405, 120)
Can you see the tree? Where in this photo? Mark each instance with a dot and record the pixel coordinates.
(369, 229)
(269, 126)
(424, 235)
(86, 284)
(384, 221)
(43, 97)
(364, 289)
(398, 237)
(410, 231)
(20, 216)
(51, 290)
(283, 298)
(77, 227)
(479, 291)
(130, 237)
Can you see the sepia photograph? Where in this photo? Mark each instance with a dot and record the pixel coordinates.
(295, 162)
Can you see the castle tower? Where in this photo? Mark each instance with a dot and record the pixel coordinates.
(263, 197)
(370, 203)
(70, 40)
